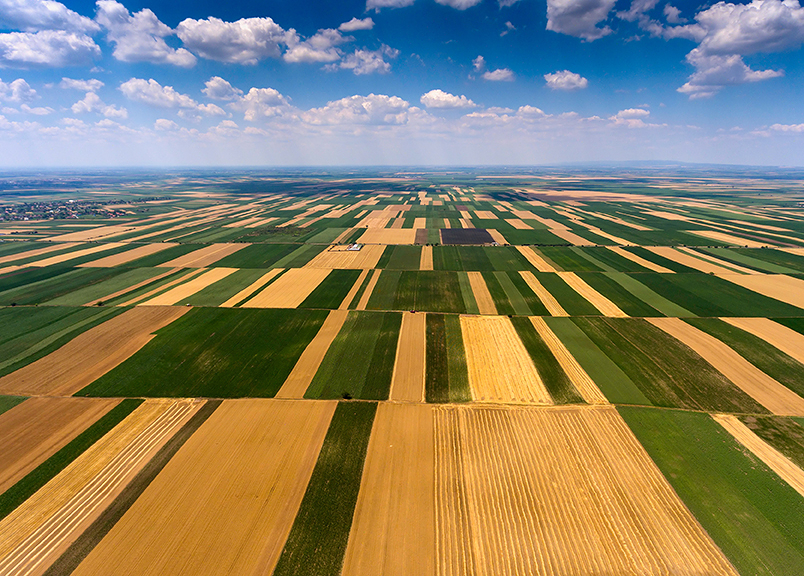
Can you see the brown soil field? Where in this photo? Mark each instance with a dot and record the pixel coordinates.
(426, 261)
(364, 298)
(519, 224)
(31, 253)
(407, 382)
(182, 291)
(76, 254)
(204, 257)
(497, 236)
(307, 365)
(419, 223)
(549, 301)
(639, 260)
(388, 236)
(242, 475)
(750, 379)
(36, 429)
(353, 290)
(485, 303)
(91, 354)
(788, 341)
(94, 233)
(36, 533)
(499, 366)
(571, 237)
(132, 287)
(163, 287)
(606, 306)
(778, 286)
(560, 491)
(341, 258)
(393, 531)
(728, 238)
(252, 288)
(774, 459)
(585, 386)
(687, 260)
(290, 289)
(717, 261)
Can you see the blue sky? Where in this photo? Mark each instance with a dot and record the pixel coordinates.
(314, 82)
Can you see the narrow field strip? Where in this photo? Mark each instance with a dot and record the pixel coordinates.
(341, 258)
(364, 298)
(556, 492)
(485, 303)
(251, 289)
(718, 261)
(52, 247)
(571, 237)
(761, 387)
(128, 255)
(407, 382)
(606, 306)
(577, 375)
(777, 286)
(73, 255)
(90, 354)
(774, 459)
(638, 260)
(303, 372)
(290, 289)
(242, 473)
(347, 300)
(728, 238)
(39, 528)
(549, 301)
(179, 293)
(163, 287)
(500, 369)
(426, 262)
(393, 532)
(204, 257)
(686, 260)
(535, 259)
(788, 341)
(132, 288)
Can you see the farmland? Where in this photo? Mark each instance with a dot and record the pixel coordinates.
(551, 372)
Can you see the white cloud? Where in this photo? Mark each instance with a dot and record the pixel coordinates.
(579, 18)
(714, 72)
(673, 15)
(637, 9)
(509, 27)
(367, 61)
(92, 103)
(566, 80)
(633, 113)
(795, 128)
(459, 4)
(499, 75)
(219, 89)
(55, 48)
(376, 109)
(262, 103)
(38, 111)
(479, 64)
(16, 91)
(506, 3)
(321, 47)
(166, 125)
(445, 100)
(356, 24)
(36, 15)
(153, 93)
(91, 85)
(246, 41)
(633, 118)
(139, 37)
(377, 4)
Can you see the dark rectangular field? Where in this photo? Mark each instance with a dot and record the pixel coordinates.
(465, 236)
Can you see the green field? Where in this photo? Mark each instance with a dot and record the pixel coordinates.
(8, 402)
(332, 290)
(446, 378)
(784, 434)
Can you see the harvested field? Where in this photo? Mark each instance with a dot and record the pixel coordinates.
(180, 293)
(290, 289)
(426, 262)
(420, 223)
(788, 341)
(407, 382)
(572, 493)
(761, 387)
(181, 275)
(549, 301)
(718, 261)
(38, 251)
(251, 289)
(242, 474)
(518, 224)
(641, 261)
(535, 259)
(388, 236)
(774, 459)
(393, 532)
(728, 238)
(36, 429)
(606, 306)
(339, 257)
(485, 215)
(150, 279)
(35, 534)
(303, 372)
(128, 255)
(350, 296)
(364, 298)
(778, 286)
(204, 257)
(75, 254)
(571, 237)
(499, 366)
(687, 260)
(91, 354)
(497, 236)
(485, 303)
(94, 233)
(577, 375)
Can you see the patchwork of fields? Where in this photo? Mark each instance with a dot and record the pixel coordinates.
(437, 374)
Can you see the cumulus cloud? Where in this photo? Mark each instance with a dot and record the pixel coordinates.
(377, 4)
(632, 118)
(673, 15)
(37, 111)
(36, 15)
(445, 100)
(246, 41)
(459, 4)
(320, 47)
(166, 125)
(92, 103)
(479, 64)
(262, 103)
(637, 9)
(565, 80)
(356, 24)
(51, 48)
(794, 128)
(579, 18)
(375, 109)
(139, 37)
(367, 61)
(219, 89)
(153, 93)
(499, 75)
(506, 3)
(16, 91)
(91, 85)
(713, 72)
